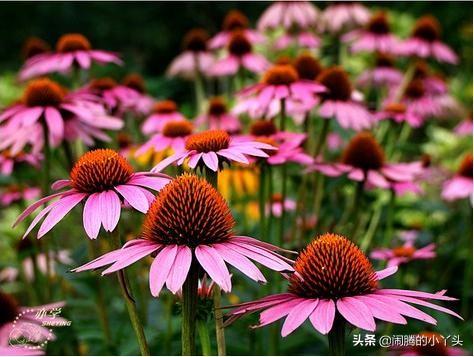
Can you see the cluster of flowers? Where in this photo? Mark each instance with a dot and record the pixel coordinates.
(188, 225)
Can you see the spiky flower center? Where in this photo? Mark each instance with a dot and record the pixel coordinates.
(364, 152)
(196, 40)
(384, 60)
(427, 28)
(188, 211)
(177, 129)
(9, 308)
(415, 89)
(165, 107)
(217, 106)
(395, 108)
(465, 169)
(337, 82)
(210, 140)
(332, 267)
(378, 24)
(34, 46)
(307, 67)
(403, 252)
(72, 42)
(283, 59)
(235, 20)
(135, 81)
(102, 84)
(281, 74)
(124, 140)
(239, 45)
(100, 170)
(43, 92)
(263, 128)
(277, 198)
(435, 344)
(421, 70)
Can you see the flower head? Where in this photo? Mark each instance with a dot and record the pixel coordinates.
(218, 117)
(34, 46)
(333, 276)
(189, 220)
(460, 185)
(385, 74)
(289, 15)
(341, 16)
(104, 180)
(162, 112)
(404, 253)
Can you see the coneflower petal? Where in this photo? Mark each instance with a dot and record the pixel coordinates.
(134, 196)
(179, 270)
(91, 216)
(356, 312)
(298, 315)
(323, 315)
(160, 268)
(109, 208)
(214, 265)
(240, 262)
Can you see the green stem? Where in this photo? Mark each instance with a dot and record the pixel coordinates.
(406, 80)
(336, 338)
(284, 174)
(389, 224)
(126, 291)
(374, 222)
(203, 332)
(219, 317)
(322, 137)
(198, 88)
(190, 299)
(262, 200)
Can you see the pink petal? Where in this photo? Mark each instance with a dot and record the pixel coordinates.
(382, 274)
(418, 294)
(214, 265)
(382, 310)
(101, 261)
(356, 312)
(91, 216)
(130, 255)
(109, 208)
(55, 124)
(59, 184)
(179, 272)
(277, 312)
(155, 183)
(160, 268)
(298, 315)
(323, 315)
(211, 160)
(134, 196)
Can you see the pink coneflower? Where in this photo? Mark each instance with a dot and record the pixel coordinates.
(376, 36)
(343, 16)
(190, 221)
(234, 21)
(239, 56)
(299, 39)
(136, 98)
(430, 343)
(277, 205)
(15, 193)
(72, 50)
(8, 161)
(434, 84)
(104, 180)
(464, 127)
(334, 280)
(18, 320)
(363, 160)
(162, 112)
(212, 148)
(173, 136)
(289, 15)
(425, 42)
(218, 117)
(383, 75)
(338, 102)
(46, 102)
(398, 112)
(34, 46)
(404, 254)
(195, 60)
(418, 101)
(460, 185)
(281, 82)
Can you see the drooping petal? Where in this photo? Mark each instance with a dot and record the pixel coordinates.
(109, 209)
(160, 268)
(91, 216)
(180, 269)
(356, 312)
(240, 262)
(134, 196)
(382, 310)
(323, 315)
(382, 274)
(131, 255)
(298, 315)
(214, 265)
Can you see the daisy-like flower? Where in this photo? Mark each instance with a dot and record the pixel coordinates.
(218, 117)
(307, 66)
(289, 14)
(234, 21)
(190, 221)
(430, 344)
(212, 148)
(375, 37)
(8, 161)
(72, 50)
(277, 205)
(339, 100)
(418, 101)
(104, 180)
(298, 38)
(343, 16)
(363, 159)
(45, 101)
(463, 128)
(460, 185)
(16, 321)
(195, 60)
(404, 254)
(16, 193)
(434, 84)
(134, 96)
(239, 56)
(334, 278)
(398, 112)
(34, 46)
(383, 75)
(172, 137)
(280, 82)
(425, 42)
(163, 111)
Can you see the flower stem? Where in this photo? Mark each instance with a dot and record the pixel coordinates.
(389, 223)
(190, 297)
(198, 88)
(126, 291)
(203, 332)
(262, 200)
(336, 338)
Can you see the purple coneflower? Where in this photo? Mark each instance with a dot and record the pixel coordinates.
(383, 75)
(404, 254)
(398, 113)
(343, 16)
(218, 117)
(464, 127)
(8, 161)
(104, 180)
(162, 112)
(460, 185)
(16, 193)
(289, 14)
